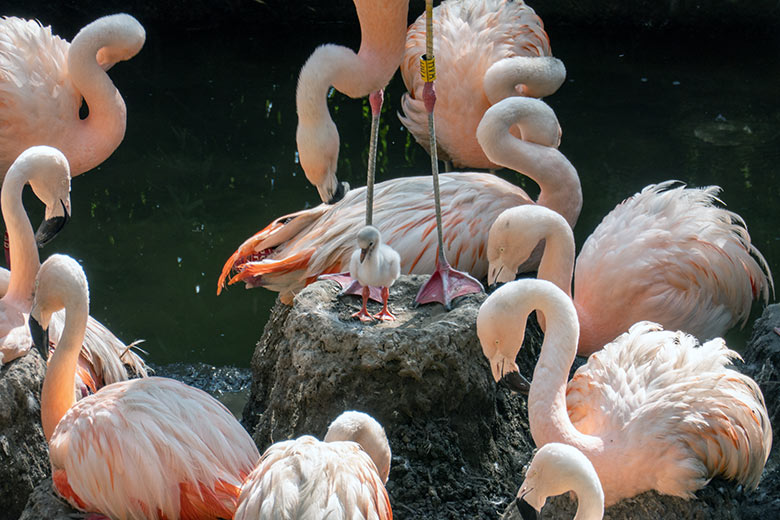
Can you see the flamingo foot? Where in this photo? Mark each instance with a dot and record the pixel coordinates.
(363, 315)
(446, 284)
(351, 286)
(385, 314)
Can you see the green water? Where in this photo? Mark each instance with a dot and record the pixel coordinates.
(209, 159)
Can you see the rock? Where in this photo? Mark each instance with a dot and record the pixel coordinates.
(24, 455)
(44, 503)
(459, 441)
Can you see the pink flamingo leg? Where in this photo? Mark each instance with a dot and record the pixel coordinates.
(363, 314)
(446, 283)
(385, 314)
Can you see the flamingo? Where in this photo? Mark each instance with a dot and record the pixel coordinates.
(374, 264)
(382, 26)
(486, 50)
(104, 358)
(295, 249)
(557, 468)
(667, 254)
(149, 448)
(652, 410)
(341, 478)
(43, 80)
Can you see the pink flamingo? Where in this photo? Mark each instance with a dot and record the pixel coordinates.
(652, 410)
(104, 358)
(382, 26)
(557, 468)
(486, 50)
(667, 254)
(43, 80)
(295, 249)
(341, 478)
(150, 448)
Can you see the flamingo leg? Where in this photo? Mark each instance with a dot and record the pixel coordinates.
(363, 314)
(385, 314)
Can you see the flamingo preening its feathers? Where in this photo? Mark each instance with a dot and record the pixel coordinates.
(341, 478)
(652, 410)
(485, 50)
(43, 79)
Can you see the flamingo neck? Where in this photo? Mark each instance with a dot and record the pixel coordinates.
(57, 395)
(590, 500)
(557, 263)
(100, 133)
(24, 252)
(559, 184)
(547, 414)
(383, 37)
(533, 76)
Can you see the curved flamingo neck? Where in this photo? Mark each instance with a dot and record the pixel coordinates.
(57, 395)
(24, 251)
(100, 133)
(547, 414)
(533, 76)
(590, 500)
(557, 263)
(383, 37)
(559, 184)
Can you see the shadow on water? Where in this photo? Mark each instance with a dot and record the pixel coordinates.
(209, 158)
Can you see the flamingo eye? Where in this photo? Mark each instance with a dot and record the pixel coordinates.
(501, 249)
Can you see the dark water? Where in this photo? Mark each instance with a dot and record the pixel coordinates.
(209, 158)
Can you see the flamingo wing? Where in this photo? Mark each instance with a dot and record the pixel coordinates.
(404, 215)
(667, 398)
(35, 89)
(195, 455)
(670, 255)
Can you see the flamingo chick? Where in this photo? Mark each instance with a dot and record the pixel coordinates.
(150, 448)
(557, 468)
(374, 264)
(485, 51)
(43, 80)
(341, 478)
(652, 410)
(668, 254)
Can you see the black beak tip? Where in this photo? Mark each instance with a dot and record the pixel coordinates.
(341, 189)
(526, 511)
(40, 337)
(517, 383)
(49, 229)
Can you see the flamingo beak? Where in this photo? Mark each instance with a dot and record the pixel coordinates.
(49, 228)
(363, 253)
(40, 337)
(517, 383)
(341, 189)
(526, 510)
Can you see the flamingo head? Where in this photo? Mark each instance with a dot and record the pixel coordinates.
(318, 152)
(50, 181)
(511, 240)
(123, 36)
(556, 469)
(368, 240)
(500, 332)
(368, 433)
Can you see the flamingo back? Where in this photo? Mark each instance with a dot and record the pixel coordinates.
(305, 479)
(670, 255)
(37, 98)
(470, 36)
(404, 215)
(151, 448)
(674, 406)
